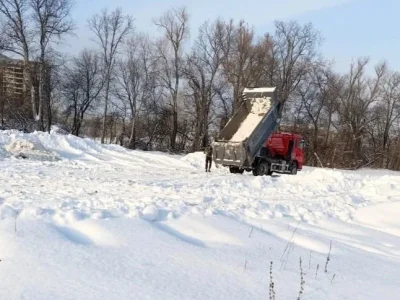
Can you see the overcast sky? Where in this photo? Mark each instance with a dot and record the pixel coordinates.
(351, 28)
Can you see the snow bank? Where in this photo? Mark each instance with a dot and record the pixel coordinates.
(57, 129)
(7, 212)
(259, 107)
(22, 145)
(150, 213)
(106, 181)
(196, 159)
(18, 146)
(32, 150)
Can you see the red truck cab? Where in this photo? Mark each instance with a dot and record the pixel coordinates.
(286, 146)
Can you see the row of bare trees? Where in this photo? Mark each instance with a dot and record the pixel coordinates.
(350, 120)
(159, 93)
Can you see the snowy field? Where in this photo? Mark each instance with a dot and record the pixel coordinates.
(84, 221)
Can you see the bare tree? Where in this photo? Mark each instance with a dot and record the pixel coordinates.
(315, 92)
(203, 72)
(82, 86)
(359, 94)
(3, 35)
(385, 114)
(133, 80)
(110, 30)
(52, 89)
(247, 59)
(293, 54)
(51, 20)
(174, 25)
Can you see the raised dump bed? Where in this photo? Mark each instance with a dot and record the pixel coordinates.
(246, 132)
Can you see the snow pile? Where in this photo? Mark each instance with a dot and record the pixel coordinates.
(7, 211)
(32, 149)
(110, 181)
(150, 213)
(56, 129)
(196, 159)
(259, 107)
(18, 146)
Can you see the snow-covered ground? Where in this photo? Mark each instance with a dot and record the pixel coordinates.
(84, 221)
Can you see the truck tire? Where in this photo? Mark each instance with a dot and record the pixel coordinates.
(261, 169)
(293, 169)
(236, 170)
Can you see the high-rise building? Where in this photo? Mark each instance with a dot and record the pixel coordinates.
(12, 77)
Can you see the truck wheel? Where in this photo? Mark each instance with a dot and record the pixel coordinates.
(233, 170)
(293, 170)
(261, 169)
(236, 170)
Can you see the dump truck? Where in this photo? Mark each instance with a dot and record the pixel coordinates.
(249, 142)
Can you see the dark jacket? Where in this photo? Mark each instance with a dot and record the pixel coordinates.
(208, 151)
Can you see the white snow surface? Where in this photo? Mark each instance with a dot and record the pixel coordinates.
(259, 90)
(259, 107)
(104, 222)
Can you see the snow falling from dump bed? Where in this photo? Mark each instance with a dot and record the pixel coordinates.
(259, 108)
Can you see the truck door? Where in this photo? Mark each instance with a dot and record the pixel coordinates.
(298, 152)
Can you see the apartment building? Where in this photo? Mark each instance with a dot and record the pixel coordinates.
(12, 77)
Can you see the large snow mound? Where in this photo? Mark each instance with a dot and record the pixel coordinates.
(196, 159)
(23, 145)
(30, 149)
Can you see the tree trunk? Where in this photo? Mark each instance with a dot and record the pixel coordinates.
(385, 158)
(2, 104)
(103, 130)
(31, 89)
(48, 100)
(327, 138)
(175, 101)
(315, 140)
(79, 124)
(41, 75)
(174, 130)
(197, 127)
(197, 135)
(132, 137)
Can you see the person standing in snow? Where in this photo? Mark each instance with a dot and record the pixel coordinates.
(208, 152)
